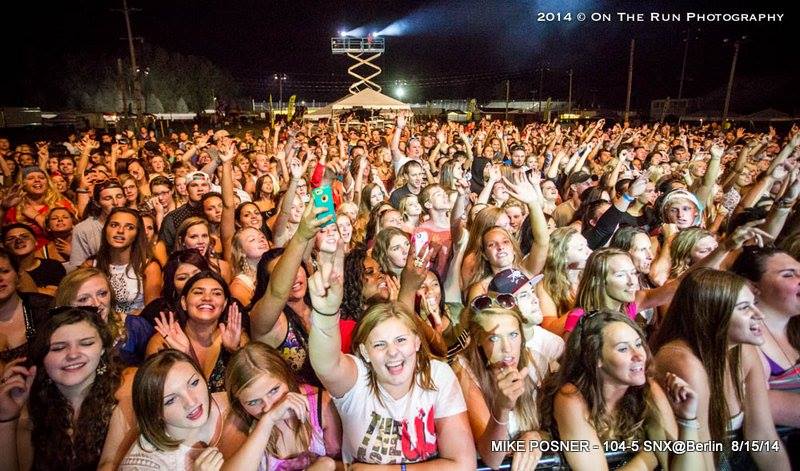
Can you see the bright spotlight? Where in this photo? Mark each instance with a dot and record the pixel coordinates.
(374, 34)
(400, 92)
(342, 33)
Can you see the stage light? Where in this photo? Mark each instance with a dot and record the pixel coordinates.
(374, 34)
(400, 92)
(342, 33)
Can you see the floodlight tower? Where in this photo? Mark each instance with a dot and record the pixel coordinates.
(363, 51)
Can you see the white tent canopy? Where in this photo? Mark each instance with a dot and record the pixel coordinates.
(365, 99)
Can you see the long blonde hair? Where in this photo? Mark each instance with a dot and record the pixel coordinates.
(556, 282)
(592, 287)
(525, 409)
(680, 251)
(249, 363)
(68, 290)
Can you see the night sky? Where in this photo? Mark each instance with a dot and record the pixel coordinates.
(450, 49)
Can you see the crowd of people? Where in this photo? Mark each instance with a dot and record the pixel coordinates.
(414, 294)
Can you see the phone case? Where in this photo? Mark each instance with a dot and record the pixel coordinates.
(323, 198)
(420, 238)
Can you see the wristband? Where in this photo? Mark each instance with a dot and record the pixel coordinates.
(689, 423)
(628, 198)
(402, 467)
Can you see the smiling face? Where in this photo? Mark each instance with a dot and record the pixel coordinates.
(498, 250)
(121, 230)
(746, 319)
(327, 239)
(502, 342)
(262, 394)
(373, 282)
(204, 301)
(185, 400)
(94, 292)
(197, 238)
(623, 358)
(622, 281)
(250, 216)
(35, 184)
(391, 349)
(254, 243)
(75, 351)
(549, 190)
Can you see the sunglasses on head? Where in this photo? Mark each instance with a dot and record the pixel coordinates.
(485, 301)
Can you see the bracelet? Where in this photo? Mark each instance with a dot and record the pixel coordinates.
(402, 467)
(12, 419)
(688, 423)
(497, 421)
(325, 313)
(628, 198)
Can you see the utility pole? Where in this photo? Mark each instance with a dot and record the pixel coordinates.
(280, 79)
(630, 82)
(541, 86)
(507, 95)
(683, 67)
(736, 45)
(569, 98)
(137, 84)
(123, 86)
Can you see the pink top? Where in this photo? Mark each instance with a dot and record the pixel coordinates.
(315, 449)
(574, 316)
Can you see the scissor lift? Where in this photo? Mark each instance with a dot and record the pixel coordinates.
(363, 51)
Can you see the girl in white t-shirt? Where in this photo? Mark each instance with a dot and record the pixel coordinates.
(397, 404)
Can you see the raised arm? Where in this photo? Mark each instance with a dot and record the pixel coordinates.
(712, 173)
(228, 225)
(337, 371)
(522, 188)
(265, 311)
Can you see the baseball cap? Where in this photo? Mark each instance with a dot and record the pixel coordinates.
(578, 177)
(511, 280)
(196, 175)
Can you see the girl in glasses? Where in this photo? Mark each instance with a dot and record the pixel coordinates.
(499, 378)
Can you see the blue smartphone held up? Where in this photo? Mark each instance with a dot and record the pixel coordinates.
(323, 198)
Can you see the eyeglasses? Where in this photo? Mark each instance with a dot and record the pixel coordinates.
(485, 301)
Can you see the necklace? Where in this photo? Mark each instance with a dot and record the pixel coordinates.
(772, 336)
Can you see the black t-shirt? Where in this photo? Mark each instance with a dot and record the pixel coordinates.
(398, 195)
(48, 273)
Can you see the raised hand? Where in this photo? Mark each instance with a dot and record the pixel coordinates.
(746, 232)
(521, 188)
(682, 398)
(510, 386)
(173, 335)
(416, 268)
(232, 331)
(310, 224)
(291, 404)
(210, 459)
(326, 285)
(717, 150)
(15, 387)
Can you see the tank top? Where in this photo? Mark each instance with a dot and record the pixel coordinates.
(316, 447)
(783, 379)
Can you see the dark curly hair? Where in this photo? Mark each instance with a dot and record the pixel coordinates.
(52, 414)
(352, 303)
